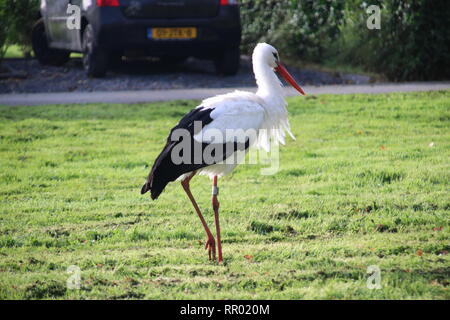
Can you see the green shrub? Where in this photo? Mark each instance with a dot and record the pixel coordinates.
(17, 19)
(297, 28)
(4, 26)
(412, 44)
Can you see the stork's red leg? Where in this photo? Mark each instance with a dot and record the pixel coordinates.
(215, 205)
(210, 242)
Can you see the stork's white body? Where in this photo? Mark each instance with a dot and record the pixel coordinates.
(263, 111)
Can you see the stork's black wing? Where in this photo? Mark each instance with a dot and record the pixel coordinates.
(165, 170)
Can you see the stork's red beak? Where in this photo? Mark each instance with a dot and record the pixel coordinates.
(285, 74)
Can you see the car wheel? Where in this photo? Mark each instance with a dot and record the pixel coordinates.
(173, 60)
(115, 59)
(228, 62)
(95, 60)
(43, 53)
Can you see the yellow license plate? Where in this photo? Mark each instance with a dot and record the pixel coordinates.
(172, 33)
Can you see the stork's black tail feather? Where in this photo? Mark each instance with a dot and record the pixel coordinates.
(155, 191)
(164, 170)
(155, 187)
(145, 188)
(161, 174)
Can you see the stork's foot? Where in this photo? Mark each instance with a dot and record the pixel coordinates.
(211, 247)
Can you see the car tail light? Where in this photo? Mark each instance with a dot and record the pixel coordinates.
(108, 3)
(228, 2)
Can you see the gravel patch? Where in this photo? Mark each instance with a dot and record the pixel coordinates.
(147, 75)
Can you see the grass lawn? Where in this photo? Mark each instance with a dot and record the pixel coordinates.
(365, 183)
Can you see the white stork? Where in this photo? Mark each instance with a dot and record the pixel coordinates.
(263, 111)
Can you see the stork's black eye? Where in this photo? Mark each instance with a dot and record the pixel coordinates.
(276, 56)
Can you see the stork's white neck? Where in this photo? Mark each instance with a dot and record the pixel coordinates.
(270, 88)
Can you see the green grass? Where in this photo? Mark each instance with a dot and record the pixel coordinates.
(365, 183)
(14, 51)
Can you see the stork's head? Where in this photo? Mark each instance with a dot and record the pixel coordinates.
(266, 54)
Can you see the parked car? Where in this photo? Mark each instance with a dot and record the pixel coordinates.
(172, 30)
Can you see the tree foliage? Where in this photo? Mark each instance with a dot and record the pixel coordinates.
(412, 44)
(17, 18)
(299, 28)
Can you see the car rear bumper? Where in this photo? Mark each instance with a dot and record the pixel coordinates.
(117, 33)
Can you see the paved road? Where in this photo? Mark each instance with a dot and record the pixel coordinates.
(199, 93)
